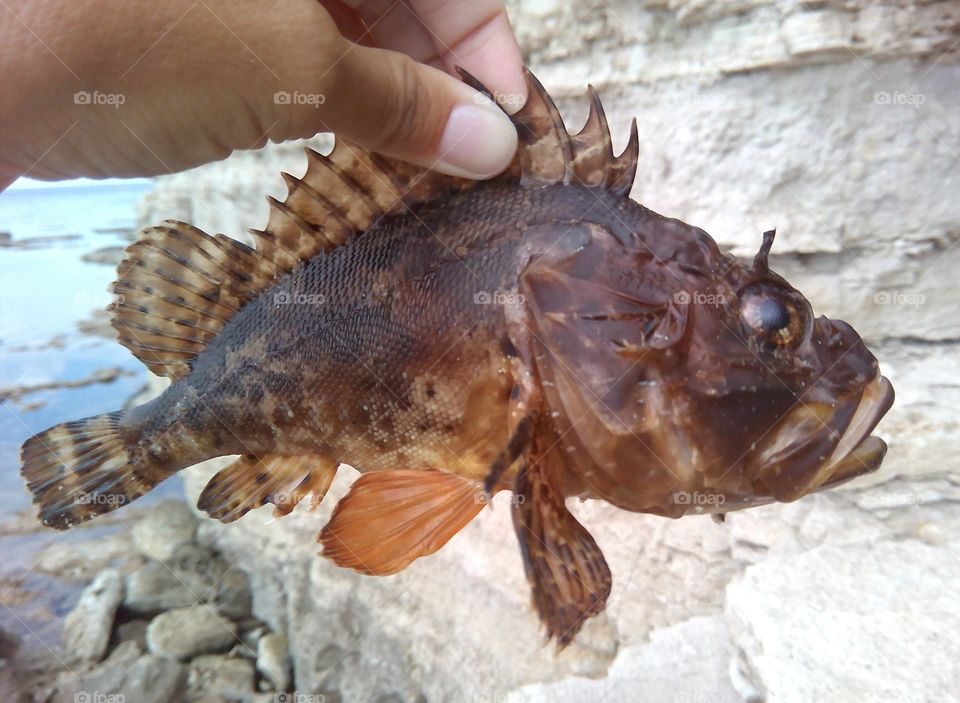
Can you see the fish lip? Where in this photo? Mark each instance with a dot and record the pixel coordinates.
(790, 469)
(859, 452)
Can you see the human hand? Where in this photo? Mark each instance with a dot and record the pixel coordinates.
(102, 88)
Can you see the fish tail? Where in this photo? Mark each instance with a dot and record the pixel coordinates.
(81, 469)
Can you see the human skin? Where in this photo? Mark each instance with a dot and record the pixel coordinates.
(113, 88)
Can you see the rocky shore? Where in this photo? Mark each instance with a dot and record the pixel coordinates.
(164, 618)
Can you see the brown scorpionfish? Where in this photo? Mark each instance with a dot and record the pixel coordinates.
(539, 333)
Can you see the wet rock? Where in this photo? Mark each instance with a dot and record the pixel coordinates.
(167, 529)
(219, 674)
(273, 660)
(127, 674)
(155, 587)
(86, 631)
(187, 632)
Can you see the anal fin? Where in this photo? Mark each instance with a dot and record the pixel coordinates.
(390, 518)
(566, 569)
(250, 482)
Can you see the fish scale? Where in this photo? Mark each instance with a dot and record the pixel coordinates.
(539, 333)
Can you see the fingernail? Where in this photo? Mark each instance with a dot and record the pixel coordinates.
(478, 141)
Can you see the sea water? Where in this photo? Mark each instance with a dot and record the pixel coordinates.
(48, 296)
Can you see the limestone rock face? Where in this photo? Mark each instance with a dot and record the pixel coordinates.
(834, 122)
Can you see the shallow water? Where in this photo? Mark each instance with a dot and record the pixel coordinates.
(46, 292)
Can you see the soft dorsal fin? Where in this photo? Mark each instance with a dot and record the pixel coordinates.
(179, 286)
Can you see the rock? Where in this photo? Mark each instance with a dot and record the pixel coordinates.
(852, 623)
(233, 598)
(86, 631)
(696, 652)
(273, 660)
(155, 587)
(214, 580)
(187, 632)
(132, 631)
(230, 677)
(165, 530)
(83, 560)
(127, 675)
(193, 575)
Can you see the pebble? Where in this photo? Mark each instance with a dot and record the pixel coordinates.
(186, 632)
(153, 588)
(273, 660)
(86, 631)
(166, 530)
(220, 674)
(127, 675)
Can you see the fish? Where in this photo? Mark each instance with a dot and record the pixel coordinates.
(539, 333)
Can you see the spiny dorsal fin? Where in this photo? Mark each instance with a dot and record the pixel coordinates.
(549, 155)
(179, 286)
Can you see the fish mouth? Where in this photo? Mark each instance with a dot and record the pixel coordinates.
(821, 445)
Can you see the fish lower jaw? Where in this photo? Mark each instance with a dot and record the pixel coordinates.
(854, 454)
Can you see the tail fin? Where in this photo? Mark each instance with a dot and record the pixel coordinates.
(81, 469)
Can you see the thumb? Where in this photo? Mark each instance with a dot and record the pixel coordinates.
(387, 102)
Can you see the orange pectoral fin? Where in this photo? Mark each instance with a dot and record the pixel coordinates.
(565, 567)
(390, 518)
(250, 482)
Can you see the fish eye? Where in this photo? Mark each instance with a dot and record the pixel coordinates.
(772, 315)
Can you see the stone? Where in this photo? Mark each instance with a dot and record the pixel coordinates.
(132, 631)
(273, 660)
(218, 674)
(851, 623)
(87, 628)
(696, 652)
(186, 632)
(233, 598)
(155, 587)
(126, 675)
(193, 575)
(166, 529)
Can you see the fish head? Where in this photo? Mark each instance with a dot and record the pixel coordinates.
(782, 402)
(699, 374)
